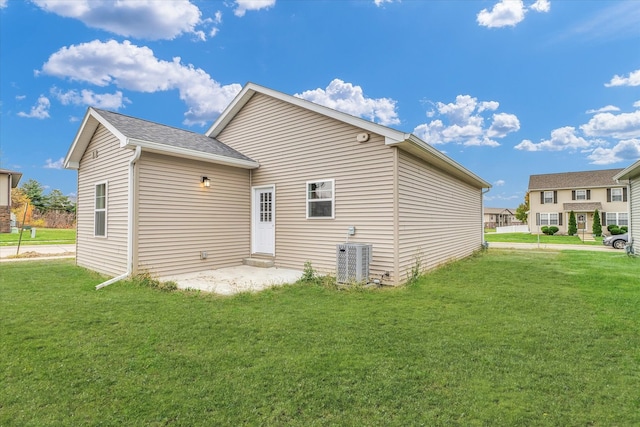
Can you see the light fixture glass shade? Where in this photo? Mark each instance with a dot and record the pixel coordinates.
(206, 181)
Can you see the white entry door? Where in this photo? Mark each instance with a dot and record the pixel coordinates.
(264, 220)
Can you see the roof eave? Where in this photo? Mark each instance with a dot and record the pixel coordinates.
(416, 146)
(251, 89)
(92, 119)
(190, 154)
(628, 173)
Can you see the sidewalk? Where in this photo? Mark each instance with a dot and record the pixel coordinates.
(36, 252)
(554, 247)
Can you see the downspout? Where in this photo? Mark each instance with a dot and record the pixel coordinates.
(629, 212)
(130, 219)
(484, 244)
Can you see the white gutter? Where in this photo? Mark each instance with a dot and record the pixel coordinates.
(131, 201)
(629, 211)
(190, 154)
(482, 214)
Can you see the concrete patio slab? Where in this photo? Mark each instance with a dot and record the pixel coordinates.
(233, 280)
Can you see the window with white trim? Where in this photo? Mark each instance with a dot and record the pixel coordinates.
(548, 197)
(548, 219)
(617, 218)
(320, 199)
(581, 194)
(616, 194)
(100, 211)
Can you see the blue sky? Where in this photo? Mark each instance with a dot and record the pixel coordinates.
(506, 88)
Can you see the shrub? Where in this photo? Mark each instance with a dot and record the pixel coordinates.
(624, 229)
(573, 226)
(615, 230)
(597, 226)
(549, 231)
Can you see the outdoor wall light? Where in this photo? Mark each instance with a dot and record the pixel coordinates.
(206, 182)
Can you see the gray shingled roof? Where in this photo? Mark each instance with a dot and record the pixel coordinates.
(144, 130)
(582, 207)
(566, 180)
(497, 211)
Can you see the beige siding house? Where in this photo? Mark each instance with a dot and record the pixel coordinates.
(553, 196)
(500, 217)
(8, 180)
(275, 177)
(631, 177)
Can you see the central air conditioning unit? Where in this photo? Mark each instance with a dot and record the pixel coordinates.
(352, 262)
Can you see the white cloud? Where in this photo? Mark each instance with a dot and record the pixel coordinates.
(244, 5)
(541, 6)
(38, 111)
(21, 97)
(633, 79)
(135, 68)
(625, 150)
(509, 13)
(50, 164)
(502, 196)
(465, 124)
(563, 138)
(350, 99)
(381, 2)
(636, 104)
(112, 101)
(503, 14)
(604, 109)
(3, 4)
(499, 183)
(502, 125)
(619, 126)
(147, 19)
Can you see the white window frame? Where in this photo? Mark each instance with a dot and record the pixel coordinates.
(616, 194)
(96, 209)
(548, 200)
(581, 194)
(616, 220)
(547, 219)
(332, 198)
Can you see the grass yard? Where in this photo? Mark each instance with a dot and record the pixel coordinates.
(44, 236)
(502, 338)
(533, 238)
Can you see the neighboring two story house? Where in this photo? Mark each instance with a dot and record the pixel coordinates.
(8, 180)
(553, 196)
(631, 177)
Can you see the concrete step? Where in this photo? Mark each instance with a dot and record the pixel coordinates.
(258, 262)
(588, 237)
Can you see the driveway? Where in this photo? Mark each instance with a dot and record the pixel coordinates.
(553, 247)
(30, 252)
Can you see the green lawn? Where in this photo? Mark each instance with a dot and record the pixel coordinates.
(44, 236)
(533, 238)
(503, 338)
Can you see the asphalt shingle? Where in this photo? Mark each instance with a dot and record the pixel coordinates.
(145, 130)
(566, 180)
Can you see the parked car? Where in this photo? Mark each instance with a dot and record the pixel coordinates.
(618, 241)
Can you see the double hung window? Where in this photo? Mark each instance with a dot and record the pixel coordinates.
(100, 210)
(320, 199)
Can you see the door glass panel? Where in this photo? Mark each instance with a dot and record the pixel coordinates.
(266, 207)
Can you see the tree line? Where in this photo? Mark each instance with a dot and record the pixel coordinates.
(30, 204)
